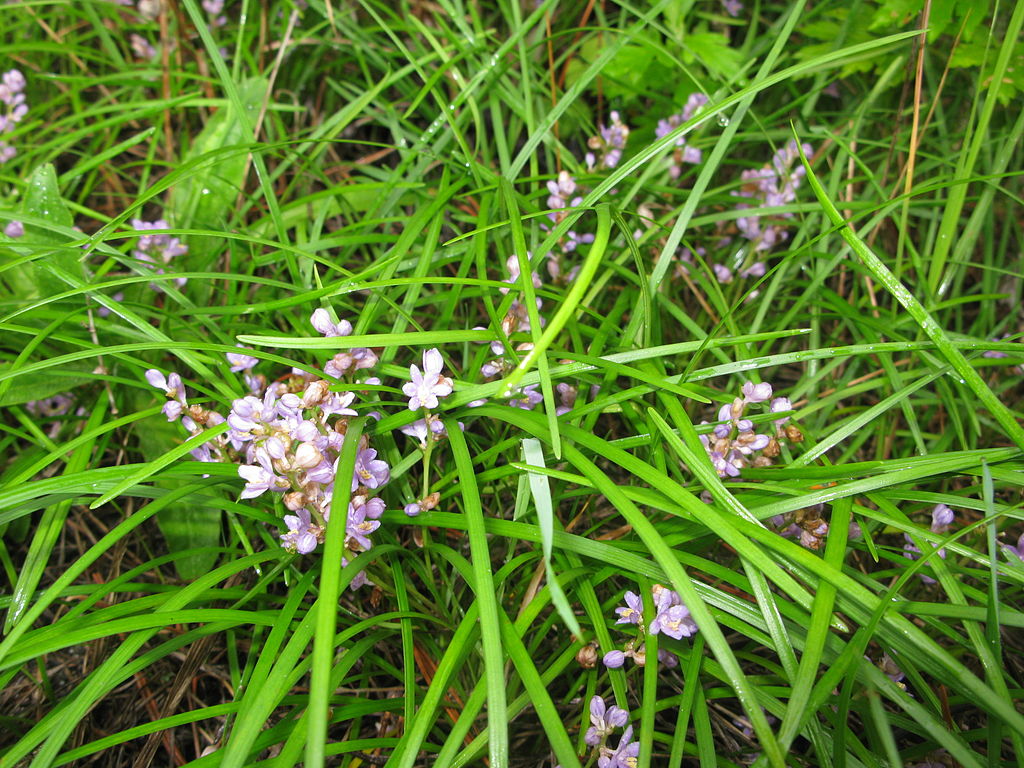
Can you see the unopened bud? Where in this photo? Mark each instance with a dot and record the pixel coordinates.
(307, 456)
(295, 500)
(314, 393)
(587, 656)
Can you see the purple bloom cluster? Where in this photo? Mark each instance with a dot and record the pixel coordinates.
(684, 152)
(562, 194)
(608, 144)
(773, 185)
(517, 320)
(158, 249)
(942, 519)
(12, 97)
(52, 409)
(732, 7)
(604, 720)
(671, 618)
(215, 8)
(142, 48)
(287, 440)
(14, 229)
(807, 525)
(624, 755)
(733, 442)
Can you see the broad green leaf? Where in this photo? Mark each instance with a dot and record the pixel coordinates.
(40, 385)
(205, 198)
(186, 526)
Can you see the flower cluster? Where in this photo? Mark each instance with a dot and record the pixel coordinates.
(604, 720)
(517, 320)
(607, 144)
(942, 519)
(424, 391)
(732, 7)
(12, 97)
(158, 249)
(671, 618)
(215, 9)
(733, 442)
(807, 525)
(683, 152)
(562, 195)
(773, 185)
(52, 409)
(288, 440)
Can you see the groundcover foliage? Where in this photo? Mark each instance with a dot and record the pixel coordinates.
(542, 383)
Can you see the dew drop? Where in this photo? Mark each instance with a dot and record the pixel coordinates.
(723, 120)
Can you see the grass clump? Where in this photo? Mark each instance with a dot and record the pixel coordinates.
(520, 384)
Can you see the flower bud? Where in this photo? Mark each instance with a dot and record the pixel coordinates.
(614, 659)
(295, 500)
(587, 656)
(306, 456)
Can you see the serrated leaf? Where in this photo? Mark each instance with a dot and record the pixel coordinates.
(714, 52)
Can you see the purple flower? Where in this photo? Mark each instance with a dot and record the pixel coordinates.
(425, 388)
(240, 362)
(158, 250)
(603, 721)
(425, 430)
(527, 398)
(614, 659)
(624, 756)
(633, 612)
(672, 617)
(173, 389)
(337, 403)
(942, 518)
(142, 48)
(14, 229)
(911, 552)
(369, 470)
(756, 393)
(732, 7)
(262, 478)
(322, 322)
(358, 527)
(12, 83)
(562, 191)
(300, 537)
(251, 414)
(781, 405)
(1015, 551)
(722, 273)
